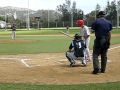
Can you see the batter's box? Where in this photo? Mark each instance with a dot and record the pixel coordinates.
(9, 62)
(41, 62)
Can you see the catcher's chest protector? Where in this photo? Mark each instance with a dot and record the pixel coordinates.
(79, 47)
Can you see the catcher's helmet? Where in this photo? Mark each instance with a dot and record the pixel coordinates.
(78, 36)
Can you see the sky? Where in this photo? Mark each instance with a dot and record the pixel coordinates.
(85, 5)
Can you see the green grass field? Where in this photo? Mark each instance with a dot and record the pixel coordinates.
(100, 86)
(29, 42)
(39, 44)
(46, 31)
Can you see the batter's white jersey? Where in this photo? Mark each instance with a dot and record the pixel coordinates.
(85, 32)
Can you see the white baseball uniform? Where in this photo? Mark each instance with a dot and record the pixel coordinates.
(85, 32)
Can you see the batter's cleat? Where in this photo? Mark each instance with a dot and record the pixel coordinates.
(84, 63)
(88, 60)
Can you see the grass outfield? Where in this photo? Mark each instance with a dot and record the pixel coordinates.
(29, 42)
(46, 32)
(39, 44)
(100, 86)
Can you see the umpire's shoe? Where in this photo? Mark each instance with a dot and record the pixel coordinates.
(95, 71)
(102, 71)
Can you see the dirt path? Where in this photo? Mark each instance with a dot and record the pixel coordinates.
(53, 68)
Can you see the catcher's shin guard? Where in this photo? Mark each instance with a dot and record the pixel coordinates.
(67, 56)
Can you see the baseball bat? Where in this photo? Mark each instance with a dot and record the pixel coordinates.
(66, 34)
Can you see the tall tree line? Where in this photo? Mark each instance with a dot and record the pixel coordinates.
(66, 14)
(69, 12)
(111, 12)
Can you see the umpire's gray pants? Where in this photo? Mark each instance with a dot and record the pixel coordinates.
(96, 52)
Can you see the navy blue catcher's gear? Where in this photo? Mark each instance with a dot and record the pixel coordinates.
(79, 47)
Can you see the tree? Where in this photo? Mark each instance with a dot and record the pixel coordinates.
(97, 10)
(69, 12)
(108, 8)
(112, 13)
(90, 17)
(65, 10)
(2, 18)
(118, 7)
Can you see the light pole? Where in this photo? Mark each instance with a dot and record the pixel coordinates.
(71, 18)
(48, 18)
(118, 13)
(5, 20)
(28, 18)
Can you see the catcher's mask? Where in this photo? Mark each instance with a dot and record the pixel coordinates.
(77, 36)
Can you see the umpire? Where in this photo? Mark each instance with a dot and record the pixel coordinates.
(102, 29)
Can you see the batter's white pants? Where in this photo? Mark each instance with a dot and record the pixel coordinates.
(87, 51)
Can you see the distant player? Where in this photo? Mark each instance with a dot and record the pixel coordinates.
(67, 28)
(13, 31)
(76, 50)
(85, 33)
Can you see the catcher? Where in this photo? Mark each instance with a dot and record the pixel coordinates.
(76, 51)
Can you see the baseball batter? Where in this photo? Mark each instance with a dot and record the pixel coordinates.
(85, 33)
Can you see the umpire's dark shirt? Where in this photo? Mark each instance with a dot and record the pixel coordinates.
(101, 27)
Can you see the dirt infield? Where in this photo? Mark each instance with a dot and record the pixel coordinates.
(53, 68)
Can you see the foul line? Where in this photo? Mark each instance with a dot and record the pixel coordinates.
(9, 58)
(114, 48)
(109, 50)
(23, 61)
(27, 65)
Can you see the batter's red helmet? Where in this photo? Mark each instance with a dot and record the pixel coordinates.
(80, 23)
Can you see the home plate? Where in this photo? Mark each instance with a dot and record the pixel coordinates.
(47, 58)
(63, 60)
(108, 60)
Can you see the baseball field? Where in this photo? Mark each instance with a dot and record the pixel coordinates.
(36, 60)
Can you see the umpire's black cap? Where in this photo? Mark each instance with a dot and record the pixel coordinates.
(101, 13)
